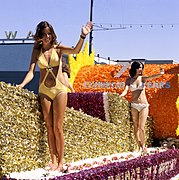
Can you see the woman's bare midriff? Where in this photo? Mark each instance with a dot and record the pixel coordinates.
(50, 81)
(139, 96)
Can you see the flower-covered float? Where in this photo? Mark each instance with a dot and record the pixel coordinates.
(94, 143)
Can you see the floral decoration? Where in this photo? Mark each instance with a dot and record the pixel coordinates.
(162, 92)
(162, 165)
(81, 59)
(118, 113)
(90, 103)
(23, 135)
(177, 105)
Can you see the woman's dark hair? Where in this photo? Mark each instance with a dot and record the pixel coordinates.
(66, 68)
(135, 65)
(39, 33)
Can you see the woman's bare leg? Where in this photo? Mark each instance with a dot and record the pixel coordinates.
(46, 104)
(135, 118)
(59, 107)
(142, 121)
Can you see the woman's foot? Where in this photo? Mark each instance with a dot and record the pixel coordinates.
(60, 167)
(53, 167)
(144, 151)
(62, 170)
(138, 149)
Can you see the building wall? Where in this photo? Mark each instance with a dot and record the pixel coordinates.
(15, 59)
(15, 56)
(16, 77)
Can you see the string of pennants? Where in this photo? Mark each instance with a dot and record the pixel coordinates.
(108, 26)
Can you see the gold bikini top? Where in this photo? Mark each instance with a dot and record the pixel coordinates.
(54, 60)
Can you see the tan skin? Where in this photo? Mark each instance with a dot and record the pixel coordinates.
(139, 96)
(69, 85)
(53, 110)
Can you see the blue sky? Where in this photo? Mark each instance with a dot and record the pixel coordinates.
(151, 26)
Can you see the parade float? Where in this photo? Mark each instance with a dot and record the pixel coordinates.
(97, 126)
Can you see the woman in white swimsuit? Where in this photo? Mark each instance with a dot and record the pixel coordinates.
(139, 105)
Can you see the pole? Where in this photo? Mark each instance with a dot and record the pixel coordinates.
(91, 19)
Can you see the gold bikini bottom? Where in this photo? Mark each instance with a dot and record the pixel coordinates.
(52, 92)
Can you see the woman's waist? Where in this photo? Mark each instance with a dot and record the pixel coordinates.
(51, 81)
(139, 102)
(139, 99)
(49, 75)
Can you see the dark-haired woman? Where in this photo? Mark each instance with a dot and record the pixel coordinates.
(139, 105)
(66, 75)
(47, 53)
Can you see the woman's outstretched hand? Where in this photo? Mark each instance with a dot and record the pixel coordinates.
(87, 28)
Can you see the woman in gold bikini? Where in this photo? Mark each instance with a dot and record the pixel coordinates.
(139, 105)
(47, 53)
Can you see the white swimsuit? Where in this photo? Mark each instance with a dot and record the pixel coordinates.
(138, 106)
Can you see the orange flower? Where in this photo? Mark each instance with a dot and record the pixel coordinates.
(162, 92)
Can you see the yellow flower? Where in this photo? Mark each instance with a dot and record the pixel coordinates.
(82, 59)
(177, 105)
(177, 131)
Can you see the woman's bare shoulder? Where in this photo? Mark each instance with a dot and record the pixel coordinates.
(58, 47)
(128, 80)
